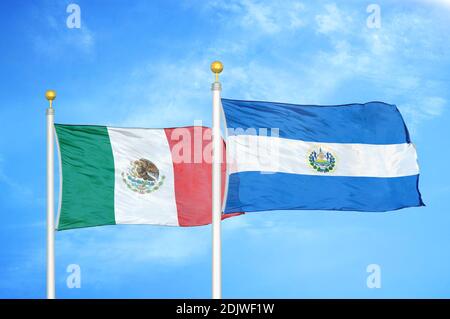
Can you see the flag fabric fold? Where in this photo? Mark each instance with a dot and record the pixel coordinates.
(134, 176)
(345, 157)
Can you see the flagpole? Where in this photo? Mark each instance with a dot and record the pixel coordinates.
(216, 68)
(50, 95)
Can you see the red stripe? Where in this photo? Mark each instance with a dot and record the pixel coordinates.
(191, 153)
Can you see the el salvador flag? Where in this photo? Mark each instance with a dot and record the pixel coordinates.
(355, 157)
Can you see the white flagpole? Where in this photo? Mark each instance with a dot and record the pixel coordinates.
(216, 68)
(50, 95)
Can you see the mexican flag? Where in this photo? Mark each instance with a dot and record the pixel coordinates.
(115, 175)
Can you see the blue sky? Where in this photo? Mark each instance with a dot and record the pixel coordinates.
(146, 63)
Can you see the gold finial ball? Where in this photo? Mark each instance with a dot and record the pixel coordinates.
(216, 67)
(50, 95)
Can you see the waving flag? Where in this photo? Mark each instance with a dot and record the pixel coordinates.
(134, 176)
(344, 157)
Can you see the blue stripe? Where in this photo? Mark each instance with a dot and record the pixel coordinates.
(253, 191)
(369, 123)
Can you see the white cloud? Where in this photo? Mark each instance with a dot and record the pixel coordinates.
(166, 94)
(434, 105)
(137, 244)
(444, 3)
(272, 17)
(423, 108)
(58, 39)
(389, 61)
(134, 244)
(267, 17)
(19, 190)
(333, 20)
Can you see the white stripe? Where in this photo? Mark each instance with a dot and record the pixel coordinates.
(274, 154)
(158, 207)
(60, 178)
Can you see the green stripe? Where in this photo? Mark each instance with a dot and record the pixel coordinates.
(87, 176)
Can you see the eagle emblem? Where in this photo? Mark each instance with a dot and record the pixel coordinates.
(322, 161)
(143, 176)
